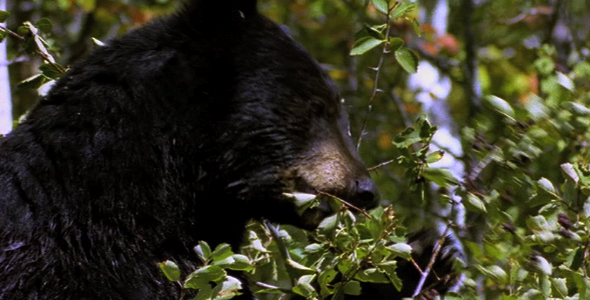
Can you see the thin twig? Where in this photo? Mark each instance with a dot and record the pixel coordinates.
(283, 250)
(380, 165)
(435, 253)
(280, 244)
(268, 286)
(12, 33)
(348, 204)
(416, 265)
(377, 73)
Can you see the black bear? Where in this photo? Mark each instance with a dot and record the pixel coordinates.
(179, 131)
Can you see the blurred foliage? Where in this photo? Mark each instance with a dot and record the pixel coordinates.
(509, 82)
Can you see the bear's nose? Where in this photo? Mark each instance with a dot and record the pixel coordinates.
(366, 194)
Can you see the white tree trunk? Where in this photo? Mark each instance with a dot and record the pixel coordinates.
(5, 96)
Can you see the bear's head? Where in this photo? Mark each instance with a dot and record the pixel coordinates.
(289, 129)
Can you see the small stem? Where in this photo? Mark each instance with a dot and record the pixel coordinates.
(283, 250)
(435, 252)
(380, 165)
(268, 286)
(348, 204)
(12, 33)
(376, 81)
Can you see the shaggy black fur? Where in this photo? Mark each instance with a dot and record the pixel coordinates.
(179, 131)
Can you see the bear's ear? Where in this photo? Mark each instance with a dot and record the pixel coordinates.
(217, 6)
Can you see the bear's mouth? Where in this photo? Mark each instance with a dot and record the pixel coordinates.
(311, 208)
(312, 205)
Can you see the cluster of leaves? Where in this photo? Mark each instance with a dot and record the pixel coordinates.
(346, 250)
(215, 263)
(373, 36)
(31, 39)
(532, 182)
(414, 147)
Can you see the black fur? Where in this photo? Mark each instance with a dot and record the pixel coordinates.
(179, 131)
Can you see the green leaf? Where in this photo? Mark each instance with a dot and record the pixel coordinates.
(44, 25)
(532, 294)
(435, 156)
(576, 108)
(536, 108)
(565, 81)
(578, 259)
(203, 251)
(228, 289)
(389, 268)
(441, 177)
(50, 71)
(302, 201)
(407, 138)
(371, 275)
(345, 265)
(304, 288)
(403, 9)
(583, 285)
(473, 204)
(375, 31)
(205, 293)
(542, 265)
(570, 193)
(202, 276)
(275, 290)
(547, 186)
(313, 248)
(495, 273)
(236, 262)
(426, 129)
(407, 59)
(453, 296)
(569, 172)
(560, 286)
(544, 65)
(381, 5)
(401, 250)
(221, 252)
(170, 270)
(545, 285)
(500, 106)
(352, 288)
(328, 225)
(23, 30)
(4, 16)
(298, 266)
(395, 43)
(256, 243)
(326, 277)
(365, 44)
